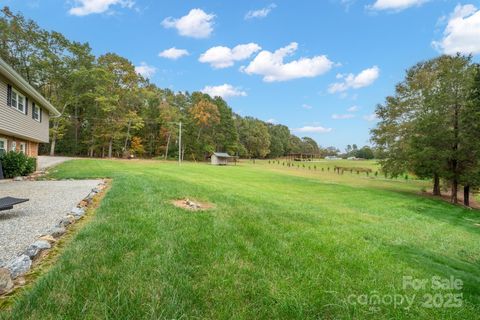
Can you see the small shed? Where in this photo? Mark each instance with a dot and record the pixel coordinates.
(220, 158)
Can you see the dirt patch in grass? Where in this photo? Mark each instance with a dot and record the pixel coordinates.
(192, 205)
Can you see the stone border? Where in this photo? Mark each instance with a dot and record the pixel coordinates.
(11, 274)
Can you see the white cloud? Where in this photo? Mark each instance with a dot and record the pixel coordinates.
(272, 121)
(272, 67)
(370, 117)
(353, 109)
(86, 7)
(343, 116)
(224, 57)
(311, 129)
(395, 5)
(173, 53)
(462, 33)
(225, 91)
(351, 81)
(196, 24)
(145, 70)
(306, 106)
(260, 13)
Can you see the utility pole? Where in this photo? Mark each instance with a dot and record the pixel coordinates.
(180, 144)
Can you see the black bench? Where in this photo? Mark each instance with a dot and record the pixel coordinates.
(7, 203)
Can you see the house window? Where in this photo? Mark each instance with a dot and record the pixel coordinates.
(23, 147)
(18, 101)
(36, 112)
(13, 146)
(3, 146)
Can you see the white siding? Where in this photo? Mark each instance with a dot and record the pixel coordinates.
(15, 123)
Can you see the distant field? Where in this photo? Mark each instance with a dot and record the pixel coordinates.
(289, 243)
(307, 169)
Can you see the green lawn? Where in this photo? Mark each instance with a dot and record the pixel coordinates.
(280, 243)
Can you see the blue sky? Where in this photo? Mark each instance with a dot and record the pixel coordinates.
(319, 67)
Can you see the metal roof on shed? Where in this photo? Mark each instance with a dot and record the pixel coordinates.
(222, 154)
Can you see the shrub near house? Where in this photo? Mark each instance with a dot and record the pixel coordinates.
(16, 164)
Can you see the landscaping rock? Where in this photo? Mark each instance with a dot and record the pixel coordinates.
(18, 179)
(48, 238)
(19, 266)
(34, 249)
(78, 211)
(42, 244)
(84, 203)
(77, 217)
(69, 219)
(192, 204)
(96, 190)
(57, 232)
(6, 283)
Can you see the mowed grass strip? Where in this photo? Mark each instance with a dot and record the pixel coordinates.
(276, 245)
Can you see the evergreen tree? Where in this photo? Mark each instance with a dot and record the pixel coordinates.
(426, 127)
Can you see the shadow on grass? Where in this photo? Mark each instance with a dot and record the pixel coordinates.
(444, 212)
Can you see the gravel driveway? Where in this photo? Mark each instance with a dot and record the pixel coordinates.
(44, 162)
(49, 202)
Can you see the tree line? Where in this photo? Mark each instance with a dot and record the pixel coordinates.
(431, 125)
(364, 152)
(109, 110)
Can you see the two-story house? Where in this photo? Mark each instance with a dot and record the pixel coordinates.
(24, 114)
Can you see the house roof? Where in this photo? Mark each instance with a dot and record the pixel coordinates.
(23, 85)
(222, 154)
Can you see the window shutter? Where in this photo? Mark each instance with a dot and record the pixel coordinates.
(26, 105)
(40, 113)
(9, 95)
(33, 110)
